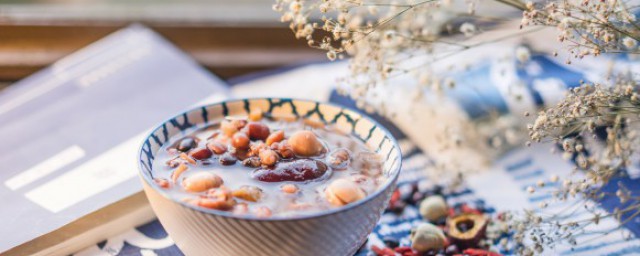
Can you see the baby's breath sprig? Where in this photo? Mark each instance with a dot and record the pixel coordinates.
(588, 27)
(595, 126)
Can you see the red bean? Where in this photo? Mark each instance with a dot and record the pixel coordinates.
(240, 141)
(186, 144)
(217, 147)
(257, 131)
(227, 159)
(200, 153)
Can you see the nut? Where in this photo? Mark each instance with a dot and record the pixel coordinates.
(305, 143)
(343, 191)
(217, 198)
(284, 150)
(256, 147)
(230, 127)
(427, 236)
(263, 212)
(289, 188)
(275, 137)
(251, 162)
(249, 193)
(202, 181)
(187, 158)
(182, 167)
(241, 209)
(339, 158)
(240, 141)
(268, 157)
(466, 230)
(433, 208)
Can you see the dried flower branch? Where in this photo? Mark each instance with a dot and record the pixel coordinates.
(596, 126)
(588, 27)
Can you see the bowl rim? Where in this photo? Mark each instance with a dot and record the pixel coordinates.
(390, 182)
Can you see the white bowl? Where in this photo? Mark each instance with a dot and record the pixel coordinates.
(339, 231)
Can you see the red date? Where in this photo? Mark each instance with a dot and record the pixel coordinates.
(297, 170)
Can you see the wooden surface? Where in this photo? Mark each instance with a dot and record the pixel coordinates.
(227, 51)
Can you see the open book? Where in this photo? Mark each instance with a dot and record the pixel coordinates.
(69, 135)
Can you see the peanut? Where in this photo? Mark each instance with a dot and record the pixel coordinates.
(176, 174)
(249, 193)
(343, 191)
(187, 158)
(230, 127)
(263, 212)
(268, 157)
(305, 143)
(251, 162)
(275, 137)
(202, 181)
(289, 188)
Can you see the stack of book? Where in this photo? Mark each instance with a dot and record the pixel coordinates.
(70, 134)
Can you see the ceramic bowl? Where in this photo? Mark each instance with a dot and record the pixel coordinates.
(339, 231)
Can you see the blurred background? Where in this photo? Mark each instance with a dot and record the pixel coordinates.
(228, 37)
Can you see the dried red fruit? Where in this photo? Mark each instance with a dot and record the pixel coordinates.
(480, 252)
(467, 209)
(297, 170)
(200, 153)
(403, 249)
(257, 131)
(384, 251)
